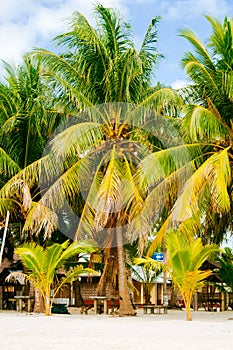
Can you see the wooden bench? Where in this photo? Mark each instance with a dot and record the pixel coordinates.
(155, 309)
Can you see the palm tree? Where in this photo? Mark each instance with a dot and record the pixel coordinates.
(185, 259)
(27, 120)
(199, 169)
(43, 263)
(27, 116)
(96, 154)
(108, 195)
(208, 122)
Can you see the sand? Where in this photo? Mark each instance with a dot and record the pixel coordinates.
(208, 330)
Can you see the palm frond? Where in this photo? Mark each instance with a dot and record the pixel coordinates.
(40, 219)
(30, 176)
(159, 165)
(200, 49)
(196, 70)
(221, 41)
(205, 253)
(213, 175)
(76, 139)
(52, 258)
(117, 34)
(148, 52)
(164, 101)
(74, 249)
(7, 165)
(33, 257)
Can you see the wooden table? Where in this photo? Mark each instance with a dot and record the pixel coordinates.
(101, 299)
(19, 302)
(104, 302)
(154, 308)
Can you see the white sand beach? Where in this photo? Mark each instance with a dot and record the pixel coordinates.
(207, 331)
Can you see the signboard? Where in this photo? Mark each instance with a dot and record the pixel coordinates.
(157, 256)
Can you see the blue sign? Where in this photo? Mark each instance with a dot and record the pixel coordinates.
(158, 256)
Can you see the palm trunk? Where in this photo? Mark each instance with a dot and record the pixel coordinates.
(47, 305)
(108, 276)
(187, 300)
(126, 308)
(101, 288)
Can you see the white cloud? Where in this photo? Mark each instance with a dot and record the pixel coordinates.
(14, 42)
(143, 2)
(178, 84)
(26, 24)
(190, 8)
(12, 9)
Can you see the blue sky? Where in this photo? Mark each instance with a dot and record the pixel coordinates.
(25, 24)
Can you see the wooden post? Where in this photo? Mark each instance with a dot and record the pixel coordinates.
(156, 293)
(1, 292)
(222, 302)
(227, 300)
(71, 293)
(142, 293)
(162, 286)
(105, 306)
(1, 254)
(95, 307)
(4, 236)
(165, 296)
(195, 302)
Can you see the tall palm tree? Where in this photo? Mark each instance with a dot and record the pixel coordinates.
(27, 120)
(203, 204)
(27, 115)
(208, 119)
(91, 162)
(96, 162)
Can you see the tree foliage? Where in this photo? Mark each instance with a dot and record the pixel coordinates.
(185, 259)
(42, 264)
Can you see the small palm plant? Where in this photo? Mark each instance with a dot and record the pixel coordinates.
(186, 255)
(147, 274)
(42, 264)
